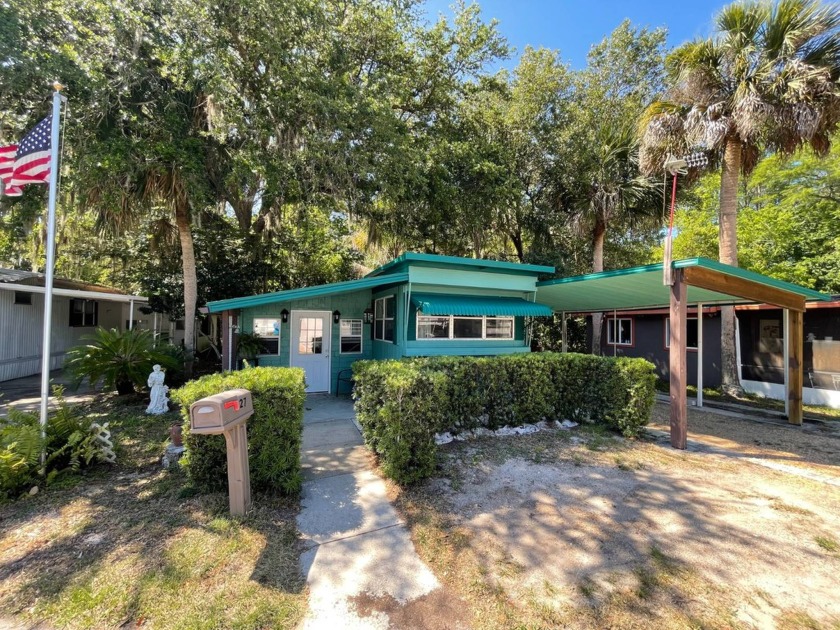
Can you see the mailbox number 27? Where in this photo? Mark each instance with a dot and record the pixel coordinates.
(238, 404)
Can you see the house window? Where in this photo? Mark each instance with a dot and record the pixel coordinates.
(384, 313)
(351, 336)
(268, 330)
(457, 327)
(22, 297)
(499, 328)
(620, 331)
(84, 313)
(433, 327)
(691, 333)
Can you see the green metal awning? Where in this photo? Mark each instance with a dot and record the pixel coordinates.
(473, 305)
(642, 288)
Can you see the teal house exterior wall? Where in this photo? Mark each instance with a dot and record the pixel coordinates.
(410, 274)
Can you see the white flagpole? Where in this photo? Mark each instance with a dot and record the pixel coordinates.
(50, 247)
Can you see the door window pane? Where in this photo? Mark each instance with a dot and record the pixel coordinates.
(311, 337)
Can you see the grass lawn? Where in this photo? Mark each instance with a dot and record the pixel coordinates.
(131, 545)
(584, 529)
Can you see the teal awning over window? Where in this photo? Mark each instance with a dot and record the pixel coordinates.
(474, 305)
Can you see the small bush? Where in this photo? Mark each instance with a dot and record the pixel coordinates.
(72, 442)
(274, 431)
(401, 404)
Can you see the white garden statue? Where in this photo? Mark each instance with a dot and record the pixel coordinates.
(159, 403)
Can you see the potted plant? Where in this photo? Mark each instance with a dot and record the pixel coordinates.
(248, 347)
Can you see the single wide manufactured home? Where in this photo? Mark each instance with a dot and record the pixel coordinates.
(415, 305)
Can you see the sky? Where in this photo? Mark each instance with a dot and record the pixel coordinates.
(572, 26)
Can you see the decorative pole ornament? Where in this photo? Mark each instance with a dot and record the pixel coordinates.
(676, 166)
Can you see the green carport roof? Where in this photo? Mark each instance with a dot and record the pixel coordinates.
(642, 287)
(305, 293)
(473, 305)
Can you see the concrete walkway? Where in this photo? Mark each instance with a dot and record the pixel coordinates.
(357, 548)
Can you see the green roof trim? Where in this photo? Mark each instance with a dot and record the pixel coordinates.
(480, 263)
(642, 287)
(476, 306)
(306, 293)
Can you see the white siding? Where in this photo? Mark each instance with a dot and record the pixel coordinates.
(21, 329)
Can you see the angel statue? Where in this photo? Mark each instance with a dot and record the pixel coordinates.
(159, 403)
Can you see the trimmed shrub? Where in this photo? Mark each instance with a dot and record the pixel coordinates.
(401, 404)
(274, 431)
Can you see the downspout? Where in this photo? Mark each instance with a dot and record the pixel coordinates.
(230, 341)
(405, 328)
(130, 314)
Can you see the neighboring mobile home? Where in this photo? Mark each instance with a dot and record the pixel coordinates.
(760, 347)
(78, 308)
(415, 305)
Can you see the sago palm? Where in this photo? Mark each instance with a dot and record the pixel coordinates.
(766, 81)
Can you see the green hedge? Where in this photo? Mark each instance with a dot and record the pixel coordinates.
(274, 431)
(401, 404)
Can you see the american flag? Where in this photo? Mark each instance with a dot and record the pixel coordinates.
(32, 163)
(7, 167)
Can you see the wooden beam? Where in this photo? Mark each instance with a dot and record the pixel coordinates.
(677, 360)
(713, 280)
(794, 367)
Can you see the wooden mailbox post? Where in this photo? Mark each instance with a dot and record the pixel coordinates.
(226, 414)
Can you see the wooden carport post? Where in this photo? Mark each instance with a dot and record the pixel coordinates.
(677, 360)
(794, 366)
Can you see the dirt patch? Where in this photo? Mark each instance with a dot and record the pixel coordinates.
(596, 532)
(438, 610)
(812, 445)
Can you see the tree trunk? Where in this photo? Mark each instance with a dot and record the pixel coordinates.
(599, 233)
(182, 220)
(728, 253)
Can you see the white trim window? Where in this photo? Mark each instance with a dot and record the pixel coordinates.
(84, 313)
(350, 341)
(620, 328)
(431, 327)
(691, 339)
(268, 330)
(385, 311)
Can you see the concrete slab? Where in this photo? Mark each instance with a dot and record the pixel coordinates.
(330, 461)
(321, 407)
(345, 505)
(25, 393)
(379, 564)
(332, 433)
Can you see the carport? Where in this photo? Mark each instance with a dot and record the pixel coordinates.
(697, 281)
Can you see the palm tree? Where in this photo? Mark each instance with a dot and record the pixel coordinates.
(615, 193)
(766, 81)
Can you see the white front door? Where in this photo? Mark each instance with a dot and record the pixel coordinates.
(310, 347)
